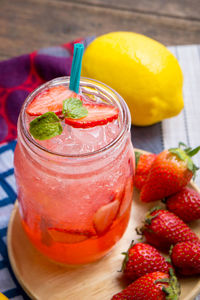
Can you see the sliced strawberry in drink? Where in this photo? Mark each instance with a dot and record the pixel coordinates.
(127, 197)
(45, 236)
(105, 216)
(119, 192)
(98, 114)
(68, 236)
(50, 100)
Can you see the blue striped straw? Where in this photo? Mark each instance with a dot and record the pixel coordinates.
(76, 68)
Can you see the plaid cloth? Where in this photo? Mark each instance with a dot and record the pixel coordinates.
(184, 127)
(8, 283)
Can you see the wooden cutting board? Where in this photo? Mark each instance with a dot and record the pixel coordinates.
(43, 279)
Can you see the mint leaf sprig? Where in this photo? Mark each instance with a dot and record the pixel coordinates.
(49, 125)
(73, 108)
(45, 126)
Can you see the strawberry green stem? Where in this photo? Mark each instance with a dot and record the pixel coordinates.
(194, 151)
(173, 290)
(137, 157)
(126, 258)
(149, 217)
(185, 155)
(170, 250)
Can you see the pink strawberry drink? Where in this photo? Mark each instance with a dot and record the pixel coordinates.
(75, 189)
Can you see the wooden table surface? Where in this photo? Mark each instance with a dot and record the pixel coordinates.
(26, 25)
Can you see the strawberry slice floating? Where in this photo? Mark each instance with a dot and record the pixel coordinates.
(68, 236)
(105, 216)
(98, 114)
(50, 100)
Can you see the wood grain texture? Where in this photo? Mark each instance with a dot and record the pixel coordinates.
(29, 25)
(186, 9)
(44, 280)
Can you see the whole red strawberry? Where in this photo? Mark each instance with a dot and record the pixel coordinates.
(143, 165)
(186, 258)
(185, 204)
(156, 285)
(142, 259)
(171, 170)
(163, 229)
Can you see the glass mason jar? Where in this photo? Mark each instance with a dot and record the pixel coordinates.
(75, 207)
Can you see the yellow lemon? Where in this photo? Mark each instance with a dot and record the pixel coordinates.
(2, 297)
(143, 71)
